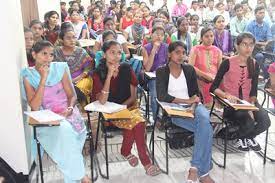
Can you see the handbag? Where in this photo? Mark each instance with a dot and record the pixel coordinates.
(85, 85)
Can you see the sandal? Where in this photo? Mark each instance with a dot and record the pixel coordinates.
(206, 179)
(194, 170)
(132, 159)
(152, 170)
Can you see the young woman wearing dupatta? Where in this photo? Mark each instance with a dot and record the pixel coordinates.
(206, 59)
(79, 62)
(47, 85)
(223, 39)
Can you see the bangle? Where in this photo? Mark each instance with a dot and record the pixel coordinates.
(104, 92)
(70, 108)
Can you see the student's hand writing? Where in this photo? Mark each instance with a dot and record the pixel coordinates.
(232, 99)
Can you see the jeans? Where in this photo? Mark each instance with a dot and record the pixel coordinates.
(260, 58)
(203, 137)
(153, 97)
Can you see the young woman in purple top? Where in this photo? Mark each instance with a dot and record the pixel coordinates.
(223, 39)
(155, 55)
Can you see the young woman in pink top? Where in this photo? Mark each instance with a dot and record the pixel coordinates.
(206, 59)
(239, 75)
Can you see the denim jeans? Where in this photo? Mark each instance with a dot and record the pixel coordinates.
(203, 137)
(153, 97)
(260, 59)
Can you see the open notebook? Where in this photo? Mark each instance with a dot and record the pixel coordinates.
(181, 110)
(108, 107)
(44, 116)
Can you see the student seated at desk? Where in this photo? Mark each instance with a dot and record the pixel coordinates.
(48, 85)
(154, 55)
(206, 59)
(116, 82)
(176, 83)
(240, 79)
(109, 24)
(79, 62)
(107, 36)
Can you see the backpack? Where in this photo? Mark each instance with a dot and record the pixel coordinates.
(179, 138)
(136, 65)
(9, 175)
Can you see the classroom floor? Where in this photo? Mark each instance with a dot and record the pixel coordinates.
(241, 167)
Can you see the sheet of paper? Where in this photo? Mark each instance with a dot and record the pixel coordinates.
(44, 116)
(108, 107)
(174, 106)
(137, 57)
(151, 74)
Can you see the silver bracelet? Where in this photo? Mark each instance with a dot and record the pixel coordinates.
(104, 92)
(70, 108)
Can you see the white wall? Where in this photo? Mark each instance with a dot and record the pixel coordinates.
(13, 146)
(47, 5)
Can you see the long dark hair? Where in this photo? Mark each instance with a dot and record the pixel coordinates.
(93, 17)
(179, 21)
(40, 45)
(216, 18)
(29, 54)
(46, 18)
(65, 27)
(250, 61)
(204, 31)
(173, 46)
(102, 69)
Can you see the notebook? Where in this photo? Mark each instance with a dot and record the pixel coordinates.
(182, 110)
(241, 104)
(44, 116)
(108, 107)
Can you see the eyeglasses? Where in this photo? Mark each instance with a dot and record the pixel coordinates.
(247, 45)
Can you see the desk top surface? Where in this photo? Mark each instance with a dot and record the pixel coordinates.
(123, 114)
(34, 122)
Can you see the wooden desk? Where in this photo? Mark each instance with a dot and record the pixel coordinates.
(235, 106)
(131, 46)
(33, 122)
(176, 113)
(36, 124)
(186, 113)
(121, 115)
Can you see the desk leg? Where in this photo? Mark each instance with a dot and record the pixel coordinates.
(148, 105)
(91, 146)
(39, 154)
(106, 149)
